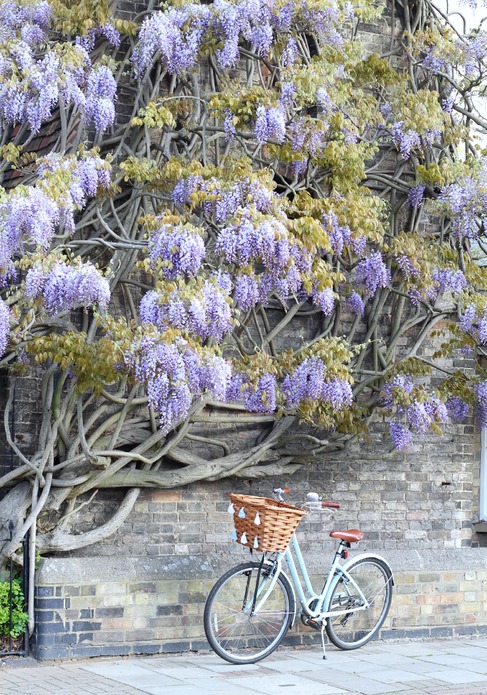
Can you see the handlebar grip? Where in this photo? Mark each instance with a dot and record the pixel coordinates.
(331, 505)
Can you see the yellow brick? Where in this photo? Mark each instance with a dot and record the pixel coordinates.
(401, 578)
(470, 586)
(165, 496)
(470, 607)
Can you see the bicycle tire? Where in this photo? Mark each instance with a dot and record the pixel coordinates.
(353, 630)
(235, 635)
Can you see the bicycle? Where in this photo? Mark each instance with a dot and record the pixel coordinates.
(252, 606)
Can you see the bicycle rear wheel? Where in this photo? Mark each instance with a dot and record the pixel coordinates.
(353, 630)
(236, 633)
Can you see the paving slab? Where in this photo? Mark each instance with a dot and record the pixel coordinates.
(455, 667)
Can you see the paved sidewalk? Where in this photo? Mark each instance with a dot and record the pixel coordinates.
(406, 668)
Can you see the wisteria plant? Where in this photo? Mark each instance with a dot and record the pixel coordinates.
(233, 214)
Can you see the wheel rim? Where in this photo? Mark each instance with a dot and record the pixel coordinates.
(240, 634)
(360, 626)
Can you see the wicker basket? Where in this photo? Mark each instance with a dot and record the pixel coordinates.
(264, 524)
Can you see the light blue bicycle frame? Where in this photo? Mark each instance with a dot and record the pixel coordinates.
(336, 572)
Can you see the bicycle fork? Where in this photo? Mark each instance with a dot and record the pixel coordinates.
(262, 590)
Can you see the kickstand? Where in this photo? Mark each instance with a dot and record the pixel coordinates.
(323, 627)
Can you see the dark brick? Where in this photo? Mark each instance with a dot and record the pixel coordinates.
(111, 612)
(51, 628)
(85, 626)
(441, 632)
(81, 651)
(49, 603)
(86, 613)
(85, 637)
(175, 647)
(47, 617)
(144, 588)
(51, 653)
(146, 648)
(116, 650)
(44, 591)
(170, 610)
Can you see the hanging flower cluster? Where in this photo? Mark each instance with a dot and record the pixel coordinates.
(66, 286)
(176, 375)
(5, 314)
(31, 215)
(481, 396)
(180, 35)
(474, 322)
(205, 314)
(309, 383)
(416, 412)
(177, 249)
(35, 80)
(465, 202)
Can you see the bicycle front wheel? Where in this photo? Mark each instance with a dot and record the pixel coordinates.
(234, 630)
(354, 629)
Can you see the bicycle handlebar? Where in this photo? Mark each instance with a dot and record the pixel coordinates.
(313, 500)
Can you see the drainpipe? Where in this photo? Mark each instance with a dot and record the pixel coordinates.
(483, 475)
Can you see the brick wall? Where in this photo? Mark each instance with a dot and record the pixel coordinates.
(143, 590)
(426, 498)
(149, 607)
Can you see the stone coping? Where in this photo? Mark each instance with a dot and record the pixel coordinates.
(62, 570)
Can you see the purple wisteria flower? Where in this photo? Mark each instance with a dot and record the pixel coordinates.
(373, 272)
(405, 140)
(228, 125)
(248, 242)
(64, 287)
(474, 324)
(416, 194)
(100, 96)
(481, 410)
(247, 292)
(464, 202)
(175, 35)
(25, 216)
(180, 248)
(178, 35)
(5, 314)
(401, 436)
(433, 63)
(290, 52)
(406, 265)
(449, 280)
(262, 399)
(107, 31)
(412, 415)
(356, 304)
(308, 382)
(395, 390)
(30, 21)
(270, 124)
(31, 215)
(457, 408)
(339, 235)
(175, 375)
(447, 104)
(206, 315)
(288, 93)
(325, 300)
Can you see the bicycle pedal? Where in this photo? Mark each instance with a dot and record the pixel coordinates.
(315, 624)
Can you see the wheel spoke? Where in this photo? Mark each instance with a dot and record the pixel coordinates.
(235, 634)
(353, 629)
